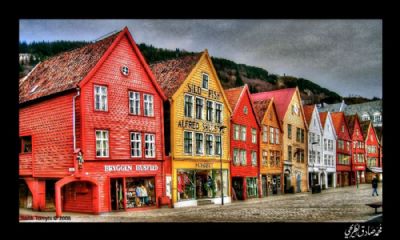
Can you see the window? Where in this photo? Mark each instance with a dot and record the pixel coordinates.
(245, 110)
(209, 144)
(188, 142)
(365, 117)
(325, 159)
(371, 162)
(136, 144)
(199, 143)
(125, 70)
(264, 158)
(290, 153)
(254, 158)
(236, 132)
(302, 135)
(325, 144)
(243, 159)
(342, 128)
(209, 110)
(271, 158)
(253, 135)
(199, 108)
(149, 146)
(218, 145)
(302, 156)
(311, 137)
(354, 144)
(271, 135)
(318, 138)
(26, 144)
(243, 133)
(265, 137)
(298, 134)
(235, 156)
(318, 157)
(205, 81)
(277, 135)
(348, 145)
(340, 144)
(101, 143)
(188, 105)
(330, 145)
(360, 158)
(357, 132)
(377, 117)
(148, 105)
(277, 158)
(134, 103)
(218, 113)
(252, 189)
(100, 98)
(289, 131)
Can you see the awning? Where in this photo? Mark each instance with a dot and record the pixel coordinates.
(375, 169)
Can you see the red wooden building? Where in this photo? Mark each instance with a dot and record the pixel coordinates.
(91, 130)
(358, 149)
(245, 130)
(372, 151)
(343, 149)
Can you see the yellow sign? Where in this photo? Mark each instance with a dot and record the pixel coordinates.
(204, 165)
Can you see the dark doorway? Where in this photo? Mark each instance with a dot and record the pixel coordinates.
(264, 185)
(25, 195)
(50, 194)
(201, 181)
(237, 183)
(298, 183)
(117, 194)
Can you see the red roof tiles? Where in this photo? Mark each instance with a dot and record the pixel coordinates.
(308, 110)
(351, 121)
(233, 95)
(282, 99)
(63, 71)
(322, 116)
(170, 74)
(337, 119)
(261, 107)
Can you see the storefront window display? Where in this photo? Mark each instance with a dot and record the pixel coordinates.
(140, 192)
(197, 184)
(252, 187)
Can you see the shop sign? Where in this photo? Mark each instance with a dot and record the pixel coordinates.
(194, 125)
(193, 89)
(204, 165)
(117, 168)
(146, 167)
(360, 167)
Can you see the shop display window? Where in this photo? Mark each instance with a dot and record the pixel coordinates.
(140, 192)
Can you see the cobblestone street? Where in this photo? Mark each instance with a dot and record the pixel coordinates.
(333, 205)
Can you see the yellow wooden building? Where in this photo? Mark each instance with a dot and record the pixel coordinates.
(271, 132)
(291, 114)
(195, 113)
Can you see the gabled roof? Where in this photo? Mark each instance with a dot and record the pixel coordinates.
(308, 111)
(74, 68)
(170, 74)
(261, 107)
(322, 116)
(351, 121)
(282, 99)
(337, 118)
(235, 95)
(63, 71)
(379, 132)
(364, 127)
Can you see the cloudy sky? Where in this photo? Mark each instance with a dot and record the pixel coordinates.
(342, 55)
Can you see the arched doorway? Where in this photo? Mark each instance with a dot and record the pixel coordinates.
(286, 181)
(78, 197)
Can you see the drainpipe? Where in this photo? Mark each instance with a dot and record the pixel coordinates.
(73, 117)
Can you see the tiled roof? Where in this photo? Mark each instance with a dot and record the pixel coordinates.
(282, 99)
(170, 74)
(369, 107)
(260, 107)
(351, 121)
(322, 116)
(308, 110)
(335, 107)
(63, 71)
(233, 95)
(336, 119)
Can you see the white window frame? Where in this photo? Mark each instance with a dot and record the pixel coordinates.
(271, 135)
(253, 158)
(265, 133)
(277, 136)
(264, 155)
(104, 139)
(202, 109)
(243, 133)
(134, 98)
(211, 145)
(253, 135)
(236, 156)
(184, 105)
(152, 145)
(191, 152)
(202, 80)
(103, 98)
(243, 157)
(220, 139)
(212, 111)
(221, 112)
(149, 103)
(135, 141)
(236, 132)
(202, 143)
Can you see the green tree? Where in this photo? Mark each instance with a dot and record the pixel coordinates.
(238, 81)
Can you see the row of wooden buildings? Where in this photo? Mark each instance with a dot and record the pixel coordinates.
(101, 130)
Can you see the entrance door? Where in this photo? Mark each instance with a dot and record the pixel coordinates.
(50, 194)
(238, 187)
(298, 183)
(117, 194)
(201, 182)
(264, 185)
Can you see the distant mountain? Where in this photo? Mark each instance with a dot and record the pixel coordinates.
(230, 73)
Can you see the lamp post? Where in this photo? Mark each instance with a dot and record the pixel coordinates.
(220, 159)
